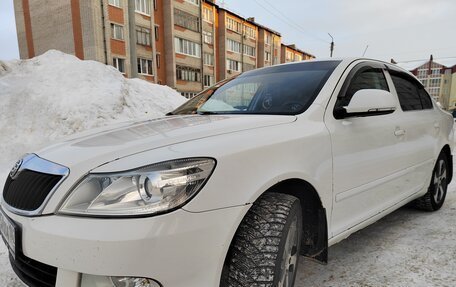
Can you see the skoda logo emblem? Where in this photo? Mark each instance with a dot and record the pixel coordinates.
(16, 167)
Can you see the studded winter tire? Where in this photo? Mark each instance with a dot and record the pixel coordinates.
(434, 198)
(265, 249)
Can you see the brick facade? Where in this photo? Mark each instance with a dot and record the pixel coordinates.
(83, 28)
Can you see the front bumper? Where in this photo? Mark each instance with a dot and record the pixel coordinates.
(179, 249)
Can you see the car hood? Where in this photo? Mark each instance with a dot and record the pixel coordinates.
(99, 147)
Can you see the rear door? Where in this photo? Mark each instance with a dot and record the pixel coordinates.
(421, 127)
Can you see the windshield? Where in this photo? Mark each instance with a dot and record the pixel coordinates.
(283, 90)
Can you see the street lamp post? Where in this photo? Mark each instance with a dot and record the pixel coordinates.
(331, 48)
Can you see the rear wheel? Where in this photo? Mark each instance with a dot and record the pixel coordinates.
(265, 249)
(434, 198)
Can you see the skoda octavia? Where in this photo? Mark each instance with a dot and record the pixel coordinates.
(233, 186)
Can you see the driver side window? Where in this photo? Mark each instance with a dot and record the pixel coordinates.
(365, 78)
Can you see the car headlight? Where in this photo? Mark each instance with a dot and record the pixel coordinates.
(148, 190)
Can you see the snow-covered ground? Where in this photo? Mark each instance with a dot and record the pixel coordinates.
(406, 248)
(56, 95)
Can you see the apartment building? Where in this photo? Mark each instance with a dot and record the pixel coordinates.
(269, 45)
(186, 44)
(438, 77)
(210, 29)
(292, 54)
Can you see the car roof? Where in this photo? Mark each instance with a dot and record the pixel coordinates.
(349, 60)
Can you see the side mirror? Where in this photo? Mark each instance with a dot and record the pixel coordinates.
(368, 102)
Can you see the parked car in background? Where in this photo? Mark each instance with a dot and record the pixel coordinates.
(231, 187)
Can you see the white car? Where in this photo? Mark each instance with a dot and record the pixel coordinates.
(234, 185)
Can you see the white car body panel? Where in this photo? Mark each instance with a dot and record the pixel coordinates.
(362, 169)
(93, 150)
(156, 247)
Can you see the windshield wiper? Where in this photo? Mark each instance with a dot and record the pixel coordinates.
(206, 113)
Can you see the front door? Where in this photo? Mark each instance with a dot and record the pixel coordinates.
(367, 154)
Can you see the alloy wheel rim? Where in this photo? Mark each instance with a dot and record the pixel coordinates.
(440, 181)
(290, 256)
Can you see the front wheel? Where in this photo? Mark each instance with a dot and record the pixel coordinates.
(434, 198)
(265, 249)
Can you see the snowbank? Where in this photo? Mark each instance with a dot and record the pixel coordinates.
(56, 94)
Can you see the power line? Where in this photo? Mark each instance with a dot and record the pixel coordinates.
(436, 59)
(293, 22)
(287, 21)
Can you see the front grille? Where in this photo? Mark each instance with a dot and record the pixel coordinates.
(29, 190)
(32, 272)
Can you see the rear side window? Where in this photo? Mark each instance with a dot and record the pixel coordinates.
(425, 98)
(412, 96)
(365, 78)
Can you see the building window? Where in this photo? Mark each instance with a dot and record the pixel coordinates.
(208, 59)
(250, 32)
(188, 95)
(276, 60)
(158, 60)
(297, 58)
(142, 36)
(434, 92)
(187, 47)
(233, 46)
(267, 56)
(233, 65)
(155, 5)
(117, 32)
(233, 25)
(157, 32)
(208, 15)
(207, 37)
(434, 82)
(289, 56)
(248, 67)
(422, 73)
(114, 3)
(194, 2)
(186, 20)
(119, 64)
(249, 50)
(208, 80)
(267, 38)
(145, 66)
(188, 74)
(142, 6)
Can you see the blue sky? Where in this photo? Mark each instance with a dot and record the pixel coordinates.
(399, 29)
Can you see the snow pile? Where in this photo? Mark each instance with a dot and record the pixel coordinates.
(56, 94)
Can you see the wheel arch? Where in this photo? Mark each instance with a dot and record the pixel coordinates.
(314, 242)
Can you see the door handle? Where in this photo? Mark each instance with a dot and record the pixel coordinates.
(399, 132)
